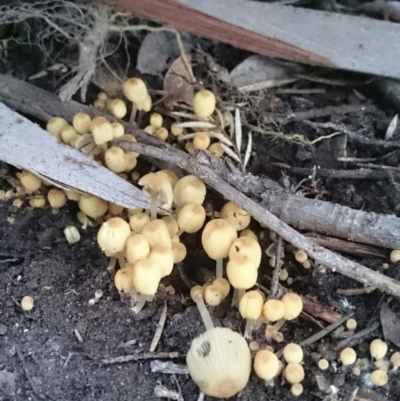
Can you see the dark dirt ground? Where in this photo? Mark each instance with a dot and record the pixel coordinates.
(41, 356)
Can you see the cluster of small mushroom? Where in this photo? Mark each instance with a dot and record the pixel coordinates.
(148, 247)
(378, 350)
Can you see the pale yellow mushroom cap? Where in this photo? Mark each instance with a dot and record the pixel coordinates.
(246, 246)
(29, 181)
(201, 141)
(294, 373)
(204, 103)
(296, 389)
(217, 238)
(136, 248)
(216, 149)
(160, 185)
(156, 233)
(115, 160)
(273, 310)
(55, 125)
(348, 356)
(395, 255)
(189, 189)
(118, 129)
(146, 276)
(156, 120)
(176, 131)
(351, 324)
(223, 285)
(81, 122)
(191, 217)
(113, 235)
(379, 377)
(172, 225)
(179, 251)
(102, 130)
(123, 279)
(161, 133)
(117, 108)
(235, 215)
(242, 272)
(212, 295)
(248, 233)
(266, 364)
(137, 221)
(219, 362)
(395, 359)
(135, 90)
(27, 303)
(169, 175)
(57, 198)
(301, 256)
(251, 305)
(323, 364)
(146, 105)
(293, 353)
(92, 206)
(69, 134)
(293, 306)
(164, 257)
(378, 348)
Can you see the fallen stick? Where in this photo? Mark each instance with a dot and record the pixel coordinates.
(201, 166)
(302, 213)
(141, 357)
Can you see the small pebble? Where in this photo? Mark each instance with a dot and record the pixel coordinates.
(3, 329)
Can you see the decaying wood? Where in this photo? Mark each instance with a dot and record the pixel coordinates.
(200, 165)
(303, 35)
(302, 213)
(27, 146)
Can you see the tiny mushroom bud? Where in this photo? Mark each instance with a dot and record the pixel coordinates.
(56, 198)
(172, 225)
(102, 96)
(38, 201)
(294, 373)
(27, 303)
(156, 120)
(176, 131)
(161, 133)
(204, 103)
(189, 189)
(300, 256)
(68, 134)
(179, 251)
(113, 235)
(283, 275)
(273, 310)
(379, 378)
(219, 362)
(293, 353)
(378, 349)
(395, 359)
(100, 104)
(135, 90)
(241, 272)
(201, 141)
(351, 324)
(81, 122)
(55, 125)
(29, 181)
(251, 308)
(146, 105)
(189, 147)
(114, 209)
(248, 233)
(266, 364)
(196, 293)
(98, 294)
(348, 356)
(235, 215)
(293, 306)
(118, 129)
(191, 217)
(306, 264)
(72, 234)
(136, 248)
(150, 130)
(296, 389)
(117, 108)
(114, 158)
(323, 364)
(395, 256)
(93, 206)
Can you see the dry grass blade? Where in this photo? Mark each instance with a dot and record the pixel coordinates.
(248, 149)
(196, 124)
(392, 127)
(230, 153)
(238, 130)
(159, 330)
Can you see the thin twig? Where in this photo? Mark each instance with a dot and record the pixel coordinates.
(160, 328)
(140, 357)
(277, 269)
(358, 337)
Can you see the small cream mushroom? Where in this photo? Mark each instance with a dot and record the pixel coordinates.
(71, 234)
(297, 389)
(56, 198)
(217, 238)
(159, 189)
(146, 276)
(219, 362)
(273, 310)
(191, 217)
(242, 272)
(351, 324)
(29, 181)
(37, 201)
(161, 133)
(251, 308)
(27, 303)
(136, 91)
(248, 233)
(201, 141)
(169, 175)
(164, 257)
(156, 233)
(379, 378)
(118, 129)
(294, 373)
(293, 305)
(156, 120)
(217, 291)
(102, 130)
(266, 365)
(235, 215)
(93, 206)
(172, 225)
(136, 248)
(248, 247)
(117, 108)
(378, 348)
(395, 255)
(293, 353)
(300, 256)
(146, 105)
(115, 160)
(189, 189)
(68, 134)
(81, 122)
(348, 356)
(137, 221)
(55, 125)
(179, 251)
(176, 130)
(204, 103)
(395, 359)
(323, 364)
(113, 235)
(216, 149)
(123, 279)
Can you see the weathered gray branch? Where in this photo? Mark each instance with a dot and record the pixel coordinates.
(300, 212)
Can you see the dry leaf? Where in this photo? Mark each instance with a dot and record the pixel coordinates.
(178, 83)
(390, 325)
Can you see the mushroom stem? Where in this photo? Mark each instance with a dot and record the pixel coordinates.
(111, 265)
(278, 325)
(208, 323)
(250, 325)
(139, 300)
(153, 210)
(219, 269)
(121, 259)
(139, 119)
(241, 292)
(133, 113)
(235, 297)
